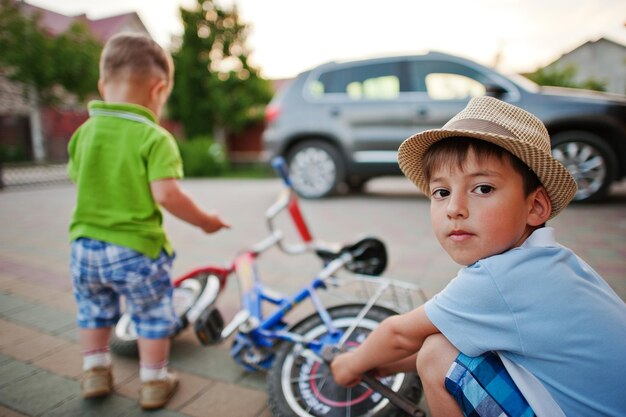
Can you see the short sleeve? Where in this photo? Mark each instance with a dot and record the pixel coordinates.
(164, 159)
(72, 165)
(472, 314)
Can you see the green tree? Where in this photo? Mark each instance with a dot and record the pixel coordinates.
(216, 90)
(564, 77)
(44, 63)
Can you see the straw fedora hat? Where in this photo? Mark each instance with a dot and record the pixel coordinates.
(505, 125)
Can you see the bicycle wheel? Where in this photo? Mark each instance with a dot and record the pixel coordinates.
(300, 386)
(124, 336)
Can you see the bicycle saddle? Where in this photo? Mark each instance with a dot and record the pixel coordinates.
(369, 256)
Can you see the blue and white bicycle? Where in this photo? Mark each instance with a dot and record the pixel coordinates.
(296, 355)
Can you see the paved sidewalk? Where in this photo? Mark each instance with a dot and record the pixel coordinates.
(39, 352)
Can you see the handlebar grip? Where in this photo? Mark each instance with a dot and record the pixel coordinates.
(280, 166)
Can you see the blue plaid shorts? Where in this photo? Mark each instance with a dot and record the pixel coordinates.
(483, 388)
(103, 272)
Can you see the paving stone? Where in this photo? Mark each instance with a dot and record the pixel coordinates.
(254, 380)
(42, 317)
(112, 405)
(35, 348)
(164, 412)
(70, 334)
(65, 361)
(10, 304)
(208, 362)
(6, 412)
(4, 359)
(38, 392)
(124, 369)
(190, 388)
(40, 294)
(224, 399)
(13, 333)
(12, 370)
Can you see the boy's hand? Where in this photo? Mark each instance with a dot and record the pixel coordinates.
(169, 195)
(343, 372)
(214, 223)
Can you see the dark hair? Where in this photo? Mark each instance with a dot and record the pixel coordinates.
(134, 55)
(452, 152)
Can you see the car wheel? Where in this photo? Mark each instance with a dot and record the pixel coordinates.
(356, 185)
(315, 168)
(590, 161)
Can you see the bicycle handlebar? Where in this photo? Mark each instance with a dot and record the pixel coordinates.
(288, 200)
(280, 166)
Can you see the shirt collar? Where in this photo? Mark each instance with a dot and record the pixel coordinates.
(124, 110)
(540, 238)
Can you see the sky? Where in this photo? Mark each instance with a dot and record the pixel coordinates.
(289, 36)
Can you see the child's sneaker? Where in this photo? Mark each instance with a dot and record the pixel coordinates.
(155, 394)
(97, 382)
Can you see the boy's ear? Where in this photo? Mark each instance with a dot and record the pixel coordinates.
(540, 207)
(101, 87)
(158, 88)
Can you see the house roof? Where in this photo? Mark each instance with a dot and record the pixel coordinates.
(109, 26)
(12, 99)
(588, 44)
(55, 23)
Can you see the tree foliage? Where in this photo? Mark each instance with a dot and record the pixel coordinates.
(29, 55)
(215, 86)
(564, 77)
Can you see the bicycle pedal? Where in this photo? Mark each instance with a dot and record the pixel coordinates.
(209, 326)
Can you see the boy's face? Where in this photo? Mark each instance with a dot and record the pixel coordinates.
(481, 210)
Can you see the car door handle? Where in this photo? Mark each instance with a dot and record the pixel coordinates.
(422, 112)
(335, 112)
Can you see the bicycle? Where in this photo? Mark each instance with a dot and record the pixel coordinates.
(296, 356)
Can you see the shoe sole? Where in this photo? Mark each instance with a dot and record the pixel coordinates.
(160, 404)
(96, 394)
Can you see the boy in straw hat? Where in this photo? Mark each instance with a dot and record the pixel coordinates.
(526, 328)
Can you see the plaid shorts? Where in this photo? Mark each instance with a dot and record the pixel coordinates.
(483, 388)
(103, 272)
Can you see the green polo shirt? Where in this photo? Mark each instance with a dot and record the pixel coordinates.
(114, 156)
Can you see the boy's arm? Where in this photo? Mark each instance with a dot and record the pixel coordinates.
(168, 194)
(389, 347)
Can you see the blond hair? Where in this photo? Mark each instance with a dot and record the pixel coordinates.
(134, 55)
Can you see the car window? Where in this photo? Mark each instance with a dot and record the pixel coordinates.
(445, 86)
(382, 81)
(446, 80)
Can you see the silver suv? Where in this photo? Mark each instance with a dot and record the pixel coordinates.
(341, 123)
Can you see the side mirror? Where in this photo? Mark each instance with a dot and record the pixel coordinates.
(494, 90)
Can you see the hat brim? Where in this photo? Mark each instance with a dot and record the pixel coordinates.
(556, 179)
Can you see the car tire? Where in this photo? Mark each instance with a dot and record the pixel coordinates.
(590, 161)
(316, 169)
(356, 185)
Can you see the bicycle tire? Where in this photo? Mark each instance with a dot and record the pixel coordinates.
(123, 339)
(293, 384)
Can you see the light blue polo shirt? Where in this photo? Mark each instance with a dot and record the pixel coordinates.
(545, 309)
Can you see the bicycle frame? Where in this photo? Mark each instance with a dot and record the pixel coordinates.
(257, 337)
(254, 330)
(263, 332)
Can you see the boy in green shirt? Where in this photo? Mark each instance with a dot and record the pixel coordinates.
(124, 166)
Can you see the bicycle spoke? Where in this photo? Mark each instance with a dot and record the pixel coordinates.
(308, 378)
(321, 387)
(366, 308)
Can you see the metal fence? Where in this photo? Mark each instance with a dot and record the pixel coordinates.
(24, 175)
